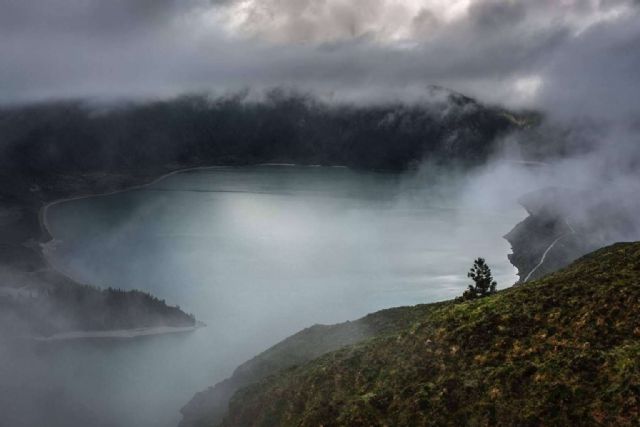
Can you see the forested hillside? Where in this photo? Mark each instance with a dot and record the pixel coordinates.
(78, 137)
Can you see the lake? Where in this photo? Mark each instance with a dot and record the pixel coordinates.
(257, 253)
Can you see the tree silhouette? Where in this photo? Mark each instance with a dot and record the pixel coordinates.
(484, 284)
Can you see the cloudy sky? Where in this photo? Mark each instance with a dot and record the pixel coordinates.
(537, 53)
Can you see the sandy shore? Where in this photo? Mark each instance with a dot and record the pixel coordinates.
(47, 246)
(44, 222)
(119, 334)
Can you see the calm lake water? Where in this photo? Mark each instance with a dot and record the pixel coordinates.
(257, 253)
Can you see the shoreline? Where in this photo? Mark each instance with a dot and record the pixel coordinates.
(44, 222)
(118, 334)
(45, 246)
(45, 231)
(48, 245)
(42, 214)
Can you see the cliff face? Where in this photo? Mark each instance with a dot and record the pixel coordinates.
(565, 224)
(562, 350)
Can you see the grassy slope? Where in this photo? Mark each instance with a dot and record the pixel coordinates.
(563, 350)
(209, 407)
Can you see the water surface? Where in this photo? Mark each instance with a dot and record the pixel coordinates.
(257, 253)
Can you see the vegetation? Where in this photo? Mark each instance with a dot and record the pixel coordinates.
(209, 407)
(73, 137)
(563, 350)
(483, 283)
(73, 307)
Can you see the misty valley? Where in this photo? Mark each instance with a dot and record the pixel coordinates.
(142, 285)
(257, 253)
(304, 213)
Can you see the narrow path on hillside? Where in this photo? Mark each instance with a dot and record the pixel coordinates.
(544, 255)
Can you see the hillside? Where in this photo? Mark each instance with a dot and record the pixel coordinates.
(565, 224)
(76, 137)
(210, 406)
(562, 350)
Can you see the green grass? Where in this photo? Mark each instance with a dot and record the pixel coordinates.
(563, 350)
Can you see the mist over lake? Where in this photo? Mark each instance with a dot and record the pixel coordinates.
(257, 253)
(303, 213)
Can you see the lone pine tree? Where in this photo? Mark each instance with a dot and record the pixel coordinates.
(483, 283)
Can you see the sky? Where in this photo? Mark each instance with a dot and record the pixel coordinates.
(544, 54)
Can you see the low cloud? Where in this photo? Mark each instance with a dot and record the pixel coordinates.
(534, 54)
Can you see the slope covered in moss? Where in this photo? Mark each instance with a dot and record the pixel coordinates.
(563, 350)
(208, 407)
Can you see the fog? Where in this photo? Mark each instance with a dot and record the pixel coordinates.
(258, 255)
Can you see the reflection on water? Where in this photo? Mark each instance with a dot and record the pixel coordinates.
(256, 253)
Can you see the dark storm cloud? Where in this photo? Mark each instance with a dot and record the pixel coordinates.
(495, 14)
(596, 74)
(511, 52)
(88, 17)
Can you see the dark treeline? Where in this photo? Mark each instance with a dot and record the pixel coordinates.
(73, 137)
(72, 307)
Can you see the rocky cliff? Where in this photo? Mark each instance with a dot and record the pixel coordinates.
(564, 224)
